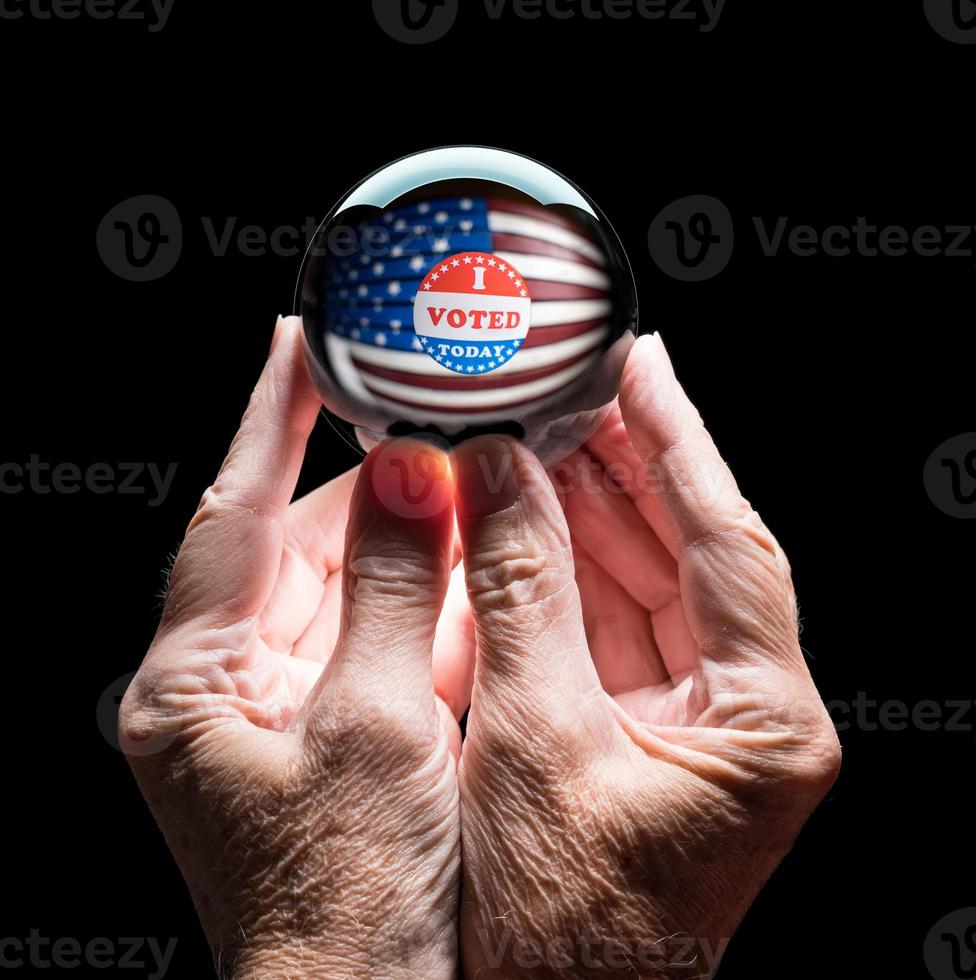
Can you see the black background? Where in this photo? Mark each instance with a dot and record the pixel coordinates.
(827, 382)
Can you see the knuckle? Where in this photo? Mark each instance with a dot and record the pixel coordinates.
(404, 573)
(509, 579)
(229, 498)
(144, 728)
(743, 531)
(807, 773)
(208, 500)
(208, 509)
(381, 589)
(132, 719)
(820, 762)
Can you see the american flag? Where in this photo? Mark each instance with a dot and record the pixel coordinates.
(370, 339)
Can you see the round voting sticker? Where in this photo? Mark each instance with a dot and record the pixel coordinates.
(472, 313)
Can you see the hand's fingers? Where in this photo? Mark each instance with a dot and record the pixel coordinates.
(454, 647)
(610, 446)
(399, 545)
(604, 521)
(322, 633)
(519, 563)
(229, 559)
(316, 523)
(294, 602)
(618, 630)
(315, 529)
(735, 582)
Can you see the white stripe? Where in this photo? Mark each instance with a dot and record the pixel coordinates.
(529, 359)
(486, 398)
(508, 223)
(556, 270)
(556, 312)
(340, 353)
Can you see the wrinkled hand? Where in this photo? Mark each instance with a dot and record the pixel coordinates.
(310, 796)
(645, 740)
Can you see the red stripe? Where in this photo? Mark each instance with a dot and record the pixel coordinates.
(465, 382)
(540, 336)
(537, 211)
(541, 289)
(523, 245)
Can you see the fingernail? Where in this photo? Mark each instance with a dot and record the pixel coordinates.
(656, 344)
(487, 482)
(412, 478)
(278, 331)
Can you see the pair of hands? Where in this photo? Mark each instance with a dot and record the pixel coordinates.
(644, 739)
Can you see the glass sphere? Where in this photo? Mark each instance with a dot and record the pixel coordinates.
(463, 291)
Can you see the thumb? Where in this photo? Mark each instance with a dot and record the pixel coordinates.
(398, 557)
(531, 644)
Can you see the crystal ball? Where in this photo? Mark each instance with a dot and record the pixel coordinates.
(464, 291)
